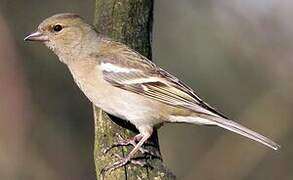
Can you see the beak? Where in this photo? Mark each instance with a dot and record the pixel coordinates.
(36, 36)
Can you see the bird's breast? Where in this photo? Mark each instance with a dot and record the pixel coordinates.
(118, 102)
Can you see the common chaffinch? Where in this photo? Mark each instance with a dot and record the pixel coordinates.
(126, 84)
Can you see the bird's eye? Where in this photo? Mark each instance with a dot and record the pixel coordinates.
(57, 28)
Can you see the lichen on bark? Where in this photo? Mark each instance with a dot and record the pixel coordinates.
(130, 22)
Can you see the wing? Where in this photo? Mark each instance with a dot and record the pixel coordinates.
(131, 71)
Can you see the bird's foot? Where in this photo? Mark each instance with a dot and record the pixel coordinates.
(130, 142)
(123, 161)
(121, 142)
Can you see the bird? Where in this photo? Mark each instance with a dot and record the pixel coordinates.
(125, 84)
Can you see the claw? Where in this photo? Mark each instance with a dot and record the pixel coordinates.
(139, 161)
(117, 164)
(130, 142)
(141, 138)
(120, 142)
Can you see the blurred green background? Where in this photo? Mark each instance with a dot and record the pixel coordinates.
(236, 54)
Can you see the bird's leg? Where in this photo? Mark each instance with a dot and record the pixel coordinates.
(136, 161)
(128, 142)
(129, 157)
(123, 142)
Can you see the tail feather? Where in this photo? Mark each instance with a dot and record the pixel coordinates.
(239, 129)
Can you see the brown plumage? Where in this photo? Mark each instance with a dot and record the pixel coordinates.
(126, 84)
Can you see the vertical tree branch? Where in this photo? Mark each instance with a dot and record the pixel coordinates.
(130, 22)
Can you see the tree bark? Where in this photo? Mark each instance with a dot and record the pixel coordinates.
(130, 22)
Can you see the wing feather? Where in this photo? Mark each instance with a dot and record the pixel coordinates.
(145, 78)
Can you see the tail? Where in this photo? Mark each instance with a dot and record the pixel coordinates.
(234, 127)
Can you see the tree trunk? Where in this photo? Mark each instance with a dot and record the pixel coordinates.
(130, 22)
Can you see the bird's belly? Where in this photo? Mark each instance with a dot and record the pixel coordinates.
(126, 105)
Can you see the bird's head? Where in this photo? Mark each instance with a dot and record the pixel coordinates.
(63, 33)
